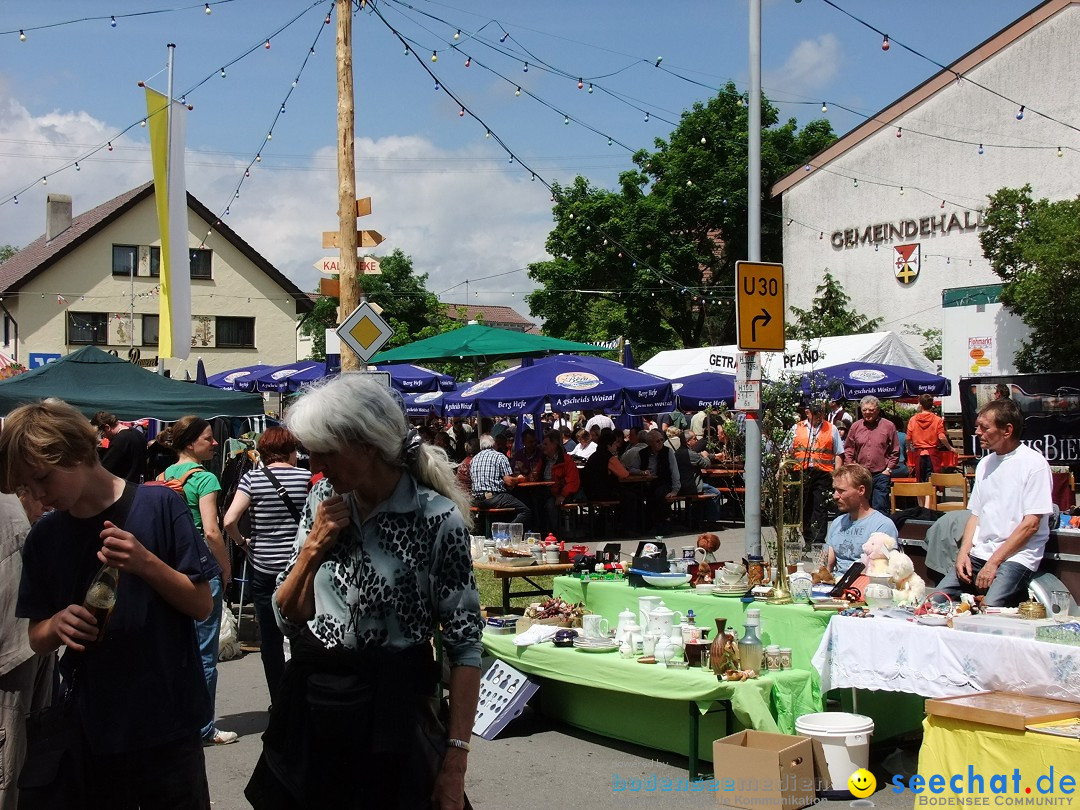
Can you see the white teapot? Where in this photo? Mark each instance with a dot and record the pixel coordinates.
(662, 620)
(627, 619)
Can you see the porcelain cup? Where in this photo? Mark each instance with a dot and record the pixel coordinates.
(732, 573)
(593, 625)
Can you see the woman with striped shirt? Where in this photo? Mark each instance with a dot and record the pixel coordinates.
(275, 493)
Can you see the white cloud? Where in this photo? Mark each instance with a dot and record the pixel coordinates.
(811, 65)
(460, 215)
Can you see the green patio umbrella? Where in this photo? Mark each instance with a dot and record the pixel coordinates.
(485, 344)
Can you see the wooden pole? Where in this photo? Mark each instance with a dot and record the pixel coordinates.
(350, 294)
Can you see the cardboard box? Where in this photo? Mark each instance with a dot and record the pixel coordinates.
(760, 770)
(1003, 709)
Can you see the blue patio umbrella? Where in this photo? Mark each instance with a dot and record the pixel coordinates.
(566, 385)
(288, 378)
(627, 355)
(705, 390)
(410, 379)
(231, 380)
(424, 404)
(858, 379)
(200, 373)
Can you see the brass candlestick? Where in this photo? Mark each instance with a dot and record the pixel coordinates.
(789, 499)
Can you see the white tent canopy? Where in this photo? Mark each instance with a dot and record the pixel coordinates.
(799, 356)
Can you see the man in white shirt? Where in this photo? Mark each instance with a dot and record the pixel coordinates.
(1004, 538)
(601, 421)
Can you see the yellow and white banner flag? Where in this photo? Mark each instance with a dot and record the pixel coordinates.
(167, 133)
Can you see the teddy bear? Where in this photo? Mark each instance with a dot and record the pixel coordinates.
(908, 587)
(875, 556)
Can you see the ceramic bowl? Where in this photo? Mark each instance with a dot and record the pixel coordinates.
(666, 580)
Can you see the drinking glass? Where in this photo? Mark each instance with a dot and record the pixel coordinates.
(500, 533)
(517, 533)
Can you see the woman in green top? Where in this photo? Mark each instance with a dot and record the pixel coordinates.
(193, 440)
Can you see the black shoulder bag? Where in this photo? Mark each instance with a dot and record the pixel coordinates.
(283, 494)
(53, 773)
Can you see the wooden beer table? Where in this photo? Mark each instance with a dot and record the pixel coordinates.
(507, 573)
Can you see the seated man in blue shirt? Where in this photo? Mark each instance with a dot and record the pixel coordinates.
(852, 485)
(491, 477)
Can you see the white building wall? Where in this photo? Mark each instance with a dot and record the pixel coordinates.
(1042, 68)
(85, 283)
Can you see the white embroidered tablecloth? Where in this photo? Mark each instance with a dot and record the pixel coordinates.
(901, 656)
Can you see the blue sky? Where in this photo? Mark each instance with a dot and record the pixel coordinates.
(442, 191)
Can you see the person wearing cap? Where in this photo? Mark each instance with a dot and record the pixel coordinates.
(816, 446)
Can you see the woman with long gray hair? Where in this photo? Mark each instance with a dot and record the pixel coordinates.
(381, 559)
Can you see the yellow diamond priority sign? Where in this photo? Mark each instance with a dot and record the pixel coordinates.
(364, 331)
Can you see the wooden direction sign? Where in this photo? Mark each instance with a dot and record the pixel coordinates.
(759, 306)
(368, 265)
(367, 239)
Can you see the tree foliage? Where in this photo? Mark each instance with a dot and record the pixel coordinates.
(682, 211)
(830, 314)
(1034, 247)
(408, 306)
(6, 252)
(931, 339)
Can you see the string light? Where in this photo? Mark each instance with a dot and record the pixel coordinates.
(824, 107)
(702, 141)
(434, 56)
(208, 11)
(646, 118)
(270, 135)
(566, 120)
(15, 199)
(110, 146)
(899, 131)
(283, 109)
(980, 148)
(885, 43)
(1020, 113)
(44, 181)
(327, 20)
(855, 181)
(267, 45)
(943, 203)
(590, 87)
(142, 123)
(112, 22)
(901, 191)
(659, 59)
(503, 37)
(806, 168)
(406, 50)
(468, 61)
(436, 84)
(526, 68)
(457, 34)
(580, 84)
(258, 157)
(1060, 151)
(22, 35)
(77, 167)
(517, 92)
(461, 113)
(223, 73)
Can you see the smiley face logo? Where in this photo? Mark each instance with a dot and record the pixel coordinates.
(862, 783)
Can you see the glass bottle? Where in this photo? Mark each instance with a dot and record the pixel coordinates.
(100, 597)
(750, 648)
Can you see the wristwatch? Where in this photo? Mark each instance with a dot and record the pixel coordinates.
(464, 746)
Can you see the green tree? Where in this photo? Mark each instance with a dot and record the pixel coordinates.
(1034, 247)
(931, 339)
(682, 211)
(6, 252)
(408, 306)
(830, 314)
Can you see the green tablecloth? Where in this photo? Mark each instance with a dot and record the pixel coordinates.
(797, 626)
(769, 703)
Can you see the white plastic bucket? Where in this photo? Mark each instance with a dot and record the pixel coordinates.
(845, 738)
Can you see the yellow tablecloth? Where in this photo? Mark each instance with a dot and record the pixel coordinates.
(1025, 759)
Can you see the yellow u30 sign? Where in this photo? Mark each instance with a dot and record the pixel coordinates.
(759, 306)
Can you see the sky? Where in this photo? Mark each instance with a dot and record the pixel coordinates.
(442, 191)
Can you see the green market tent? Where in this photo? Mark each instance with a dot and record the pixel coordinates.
(93, 380)
(485, 344)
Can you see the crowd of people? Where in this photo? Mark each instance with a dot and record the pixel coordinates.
(359, 560)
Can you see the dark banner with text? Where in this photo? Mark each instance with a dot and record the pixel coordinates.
(1050, 404)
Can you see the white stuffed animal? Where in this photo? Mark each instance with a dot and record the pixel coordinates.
(908, 587)
(876, 550)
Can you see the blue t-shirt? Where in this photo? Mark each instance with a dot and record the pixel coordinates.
(847, 536)
(143, 684)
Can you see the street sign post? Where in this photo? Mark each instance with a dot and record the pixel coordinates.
(367, 265)
(332, 239)
(748, 395)
(759, 306)
(328, 265)
(364, 331)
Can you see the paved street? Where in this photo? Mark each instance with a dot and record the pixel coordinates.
(533, 765)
